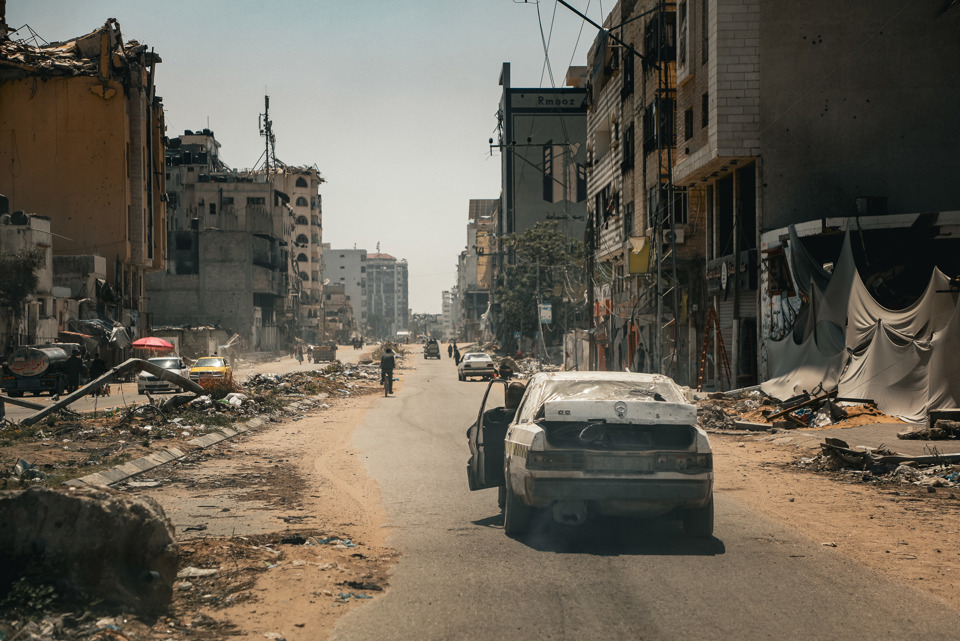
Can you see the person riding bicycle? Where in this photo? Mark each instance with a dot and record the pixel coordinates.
(387, 363)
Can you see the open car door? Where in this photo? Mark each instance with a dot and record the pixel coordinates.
(485, 438)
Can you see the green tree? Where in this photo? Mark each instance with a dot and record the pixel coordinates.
(543, 266)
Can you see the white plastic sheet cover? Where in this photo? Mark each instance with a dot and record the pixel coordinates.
(908, 360)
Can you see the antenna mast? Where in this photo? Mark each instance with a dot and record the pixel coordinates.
(270, 140)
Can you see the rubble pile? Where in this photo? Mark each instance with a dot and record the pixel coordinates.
(338, 379)
(880, 466)
(942, 430)
(751, 409)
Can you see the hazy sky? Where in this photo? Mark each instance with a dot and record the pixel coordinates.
(394, 101)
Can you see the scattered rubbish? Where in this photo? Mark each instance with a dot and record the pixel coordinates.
(878, 465)
(191, 572)
(26, 470)
(943, 429)
(829, 544)
(296, 539)
(195, 528)
(362, 585)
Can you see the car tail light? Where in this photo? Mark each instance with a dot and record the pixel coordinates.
(555, 460)
(684, 462)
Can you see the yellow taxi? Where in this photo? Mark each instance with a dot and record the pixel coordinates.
(210, 367)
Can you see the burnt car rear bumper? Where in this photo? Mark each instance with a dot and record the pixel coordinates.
(629, 495)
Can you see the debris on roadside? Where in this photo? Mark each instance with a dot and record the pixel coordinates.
(752, 410)
(882, 466)
(943, 429)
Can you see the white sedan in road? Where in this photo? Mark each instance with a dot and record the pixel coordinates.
(583, 443)
(147, 382)
(476, 364)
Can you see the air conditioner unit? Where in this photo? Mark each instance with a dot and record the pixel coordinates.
(676, 236)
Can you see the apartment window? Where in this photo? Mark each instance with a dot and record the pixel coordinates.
(342, 267)
(704, 110)
(657, 200)
(227, 200)
(629, 146)
(628, 220)
(627, 74)
(302, 202)
(704, 31)
(682, 36)
(301, 182)
(363, 270)
(256, 200)
(213, 209)
(688, 124)
(660, 38)
(302, 220)
(302, 258)
(303, 240)
(658, 128)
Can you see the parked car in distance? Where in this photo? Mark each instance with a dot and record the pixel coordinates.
(147, 382)
(210, 367)
(431, 349)
(586, 443)
(476, 364)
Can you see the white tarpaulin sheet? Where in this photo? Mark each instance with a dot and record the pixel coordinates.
(906, 360)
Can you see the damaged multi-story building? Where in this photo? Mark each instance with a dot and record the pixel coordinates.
(387, 295)
(475, 269)
(541, 136)
(244, 254)
(787, 129)
(348, 268)
(81, 143)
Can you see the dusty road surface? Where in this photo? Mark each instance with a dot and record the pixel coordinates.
(355, 522)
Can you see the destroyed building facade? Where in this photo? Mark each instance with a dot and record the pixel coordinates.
(228, 262)
(387, 295)
(244, 246)
(82, 132)
(739, 119)
(348, 268)
(475, 269)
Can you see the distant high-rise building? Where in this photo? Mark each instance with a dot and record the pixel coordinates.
(387, 283)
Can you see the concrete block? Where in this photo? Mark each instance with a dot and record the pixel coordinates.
(101, 542)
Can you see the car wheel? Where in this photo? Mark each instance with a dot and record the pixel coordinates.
(516, 515)
(698, 522)
(461, 376)
(501, 496)
(15, 394)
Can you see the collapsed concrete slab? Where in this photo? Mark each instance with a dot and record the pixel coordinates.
(92, 541)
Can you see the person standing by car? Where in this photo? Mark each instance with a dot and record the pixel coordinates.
(387, 364)
(456, 355)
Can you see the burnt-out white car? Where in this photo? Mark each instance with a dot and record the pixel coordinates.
(583, 443)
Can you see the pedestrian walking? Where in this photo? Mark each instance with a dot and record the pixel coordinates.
(449, 350)
(72, 369)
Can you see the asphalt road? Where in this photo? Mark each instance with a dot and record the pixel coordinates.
(461, 577)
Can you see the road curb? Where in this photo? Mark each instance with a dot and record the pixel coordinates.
(132, 468)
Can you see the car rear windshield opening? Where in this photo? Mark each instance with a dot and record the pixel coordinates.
(615, 436)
